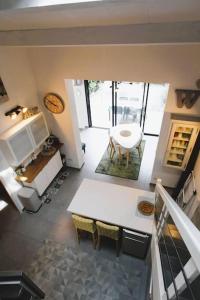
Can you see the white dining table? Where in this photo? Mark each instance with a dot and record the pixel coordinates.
(112, 204)
(127, 136)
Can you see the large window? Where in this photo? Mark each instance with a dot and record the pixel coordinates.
(100, 94)
(116, 102)
(156, 100)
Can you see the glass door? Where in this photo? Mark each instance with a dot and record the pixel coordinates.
(130, 102)
(116, 102)
(156, 98)
(101, 103)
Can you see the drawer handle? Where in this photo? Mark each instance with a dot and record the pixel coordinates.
(136, 233)
(128, 238)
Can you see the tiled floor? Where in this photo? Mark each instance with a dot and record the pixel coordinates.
(22, 235)
(73, 273)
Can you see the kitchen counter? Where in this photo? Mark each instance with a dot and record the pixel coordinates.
(113, 204)
(36, 166)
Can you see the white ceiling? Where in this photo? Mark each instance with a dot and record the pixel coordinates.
(106, 12)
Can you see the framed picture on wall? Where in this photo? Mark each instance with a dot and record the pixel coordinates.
(3, 93)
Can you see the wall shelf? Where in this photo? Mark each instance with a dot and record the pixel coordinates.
(183, 135)
(21, 140)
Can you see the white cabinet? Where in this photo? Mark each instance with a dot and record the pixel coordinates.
(17, 147)
(39, 130)
(18, 142)
(182, 138)
(41, 182)
(53, 167)
(47, 174)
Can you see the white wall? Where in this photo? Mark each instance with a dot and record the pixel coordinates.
(18, 77)
(170, 176)
(197, 175)
(50, 75)
(177, 65)
(16, 74)
(80, 101)
(78, 153)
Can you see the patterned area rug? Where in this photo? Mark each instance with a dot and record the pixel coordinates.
(65, 273)
(119, 169)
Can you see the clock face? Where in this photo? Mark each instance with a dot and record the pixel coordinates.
(54, 103)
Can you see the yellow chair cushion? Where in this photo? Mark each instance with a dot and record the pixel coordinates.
(84, 223)
(107, 230)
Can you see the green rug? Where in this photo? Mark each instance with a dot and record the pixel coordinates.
(119, 169)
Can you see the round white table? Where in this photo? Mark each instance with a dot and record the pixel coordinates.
(127, 136)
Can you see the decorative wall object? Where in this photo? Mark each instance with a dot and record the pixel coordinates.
(30, 112)
(54, 103)
(186, 97)
(3, 93)
(14, 112)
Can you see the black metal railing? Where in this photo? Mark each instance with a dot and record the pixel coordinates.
(17, 285)
(174, 254)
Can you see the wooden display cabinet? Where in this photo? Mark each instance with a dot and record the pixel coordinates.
(183, 135)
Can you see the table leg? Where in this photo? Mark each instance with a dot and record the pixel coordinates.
(139, 150)
(112, 152)
(127, 157)
(119, 154)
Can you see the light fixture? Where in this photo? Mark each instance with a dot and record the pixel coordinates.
(24, 109)
(15, 111)
(13, 116)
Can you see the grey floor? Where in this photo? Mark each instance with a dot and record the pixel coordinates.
(81, 273)
(21, 236)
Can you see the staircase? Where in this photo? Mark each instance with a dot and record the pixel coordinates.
(18, 286)
(175, 251)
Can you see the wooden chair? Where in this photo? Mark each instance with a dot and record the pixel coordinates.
(116, 149)
(120, 151)
(139, 147)
(111, 147)
(108, 231)
(84, 224)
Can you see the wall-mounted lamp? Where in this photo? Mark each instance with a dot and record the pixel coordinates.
(14, 112)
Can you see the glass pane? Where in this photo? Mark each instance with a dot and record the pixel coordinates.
(158, 208)
(155, 107)
(195, 289)
(129, 101)
(39, 130)
(101, 103)
(21, 145)
(174, 253)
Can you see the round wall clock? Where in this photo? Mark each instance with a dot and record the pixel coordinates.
(54, 103)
